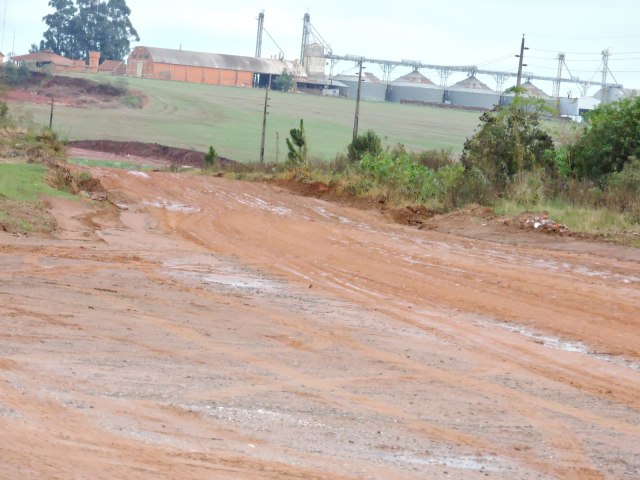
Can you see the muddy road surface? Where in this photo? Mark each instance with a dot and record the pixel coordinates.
(212, 329)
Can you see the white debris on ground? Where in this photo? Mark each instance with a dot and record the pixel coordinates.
(540, 222)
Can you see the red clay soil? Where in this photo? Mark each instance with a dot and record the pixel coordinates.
(203, 328)
(172, 155)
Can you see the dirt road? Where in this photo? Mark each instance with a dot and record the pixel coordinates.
(219, 329)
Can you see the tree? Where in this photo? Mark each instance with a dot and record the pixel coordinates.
(59, 37)
(210, 157)
(77, 27)
(284, 82)
(297, 145)
(369, 142)
(611, 138)
(510, 140)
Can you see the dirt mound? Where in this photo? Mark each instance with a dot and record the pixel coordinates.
(74, 92)
(82, 86)
(173, 155)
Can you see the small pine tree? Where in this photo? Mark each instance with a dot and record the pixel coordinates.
(297, 145)
(210, 157)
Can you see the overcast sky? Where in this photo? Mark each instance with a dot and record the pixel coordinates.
(462, 32)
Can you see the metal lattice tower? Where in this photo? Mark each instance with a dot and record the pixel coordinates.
(306, 32)
(260, 30)
(558, 82)
(605, 71)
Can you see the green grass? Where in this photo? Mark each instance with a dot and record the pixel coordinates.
(90, 162)
(25, 182)
(578, 219)
(197, 116)
(21, 189)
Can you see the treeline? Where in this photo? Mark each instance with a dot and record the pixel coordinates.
(77, 27)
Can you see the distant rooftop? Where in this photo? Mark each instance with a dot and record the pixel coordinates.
(415, 77)
(44, 56)
(471, 83)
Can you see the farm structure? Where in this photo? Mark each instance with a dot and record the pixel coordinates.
(54, 63)
(204, 68)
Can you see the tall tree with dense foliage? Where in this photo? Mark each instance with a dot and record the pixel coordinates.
(77, 27)
(610, 140)
(510, 140)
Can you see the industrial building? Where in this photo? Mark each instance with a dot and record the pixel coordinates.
(204, 68)
(414, 88)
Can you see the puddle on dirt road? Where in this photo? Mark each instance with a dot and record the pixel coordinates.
(476, 463)
(138, 174)
(221, 275)
(255, 202)
(171, 206)
(558, 343)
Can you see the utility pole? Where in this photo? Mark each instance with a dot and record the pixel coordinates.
(357, 115)
(520, 64)
(51, 114)
(264, 122)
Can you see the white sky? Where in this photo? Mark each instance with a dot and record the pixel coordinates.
(461, 32)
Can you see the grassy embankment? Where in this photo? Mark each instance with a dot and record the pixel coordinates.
(22, 189)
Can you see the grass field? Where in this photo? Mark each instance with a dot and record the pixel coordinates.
(196, 116)
(25, 182)
(21, 210)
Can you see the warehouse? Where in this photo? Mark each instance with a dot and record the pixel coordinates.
(205, 68)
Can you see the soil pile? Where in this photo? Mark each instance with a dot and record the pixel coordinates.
(173, 155)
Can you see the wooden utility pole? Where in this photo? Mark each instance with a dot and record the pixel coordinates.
(264, 122)
(521, 64)
(51, 114)
(357, 115)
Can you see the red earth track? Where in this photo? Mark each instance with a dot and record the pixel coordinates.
(208, 328)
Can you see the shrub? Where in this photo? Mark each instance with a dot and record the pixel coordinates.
(611, 138)
(623, 189)
(367, 143)
(434, 159)
(509, 141)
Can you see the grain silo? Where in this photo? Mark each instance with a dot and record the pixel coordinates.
(471, 92)
(414, 88)
(372, 88)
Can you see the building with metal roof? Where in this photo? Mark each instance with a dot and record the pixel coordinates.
(414, 88)
(199, 67)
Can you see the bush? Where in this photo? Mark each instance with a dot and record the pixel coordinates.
(623, 189)
(611, 138)
(509, 141)
(434, 159)
(367, 143)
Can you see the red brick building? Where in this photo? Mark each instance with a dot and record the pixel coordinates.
(197, 67)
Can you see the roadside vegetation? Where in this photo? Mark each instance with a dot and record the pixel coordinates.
(586, 177)
(28, 175)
